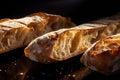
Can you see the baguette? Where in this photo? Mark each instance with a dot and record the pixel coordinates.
(43, 22)
(16, 33)
(104, 55)
(11, 35)
(66, 43)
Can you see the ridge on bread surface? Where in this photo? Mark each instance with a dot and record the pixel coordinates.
(16, 33)
(66, 43)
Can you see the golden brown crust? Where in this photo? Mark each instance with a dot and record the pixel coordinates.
(104, 55)
(64, 44)
(15, 33)
(55, 20)
(11, 35)
(43, 22)
(34, 48)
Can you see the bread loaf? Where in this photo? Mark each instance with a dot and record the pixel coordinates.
(66, 43)
(42, 23)
(11, 35)
(16, 33)
(104, 55)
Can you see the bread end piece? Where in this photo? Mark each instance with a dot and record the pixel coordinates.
(104, 55)
(40, 48)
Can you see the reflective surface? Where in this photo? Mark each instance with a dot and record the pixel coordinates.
(15, 66)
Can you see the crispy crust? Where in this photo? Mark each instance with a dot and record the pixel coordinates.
(11, 35)
(43, 22)
(16, 33)
(104, 55)
(64, 44)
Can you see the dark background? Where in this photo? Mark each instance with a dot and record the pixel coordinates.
(13, 63)
(79, 10)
